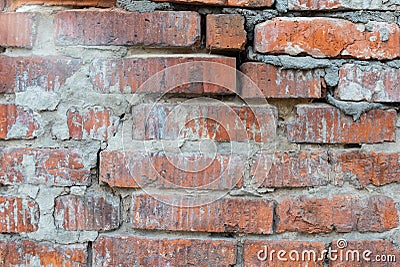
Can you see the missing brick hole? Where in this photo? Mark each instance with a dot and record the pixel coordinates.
(2, 49)
(203, 29)
(89, 253)
(352, 146)
(223, 235)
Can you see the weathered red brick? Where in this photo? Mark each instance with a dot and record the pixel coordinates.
(342, 5)
(373, 83)
(116, 27)
(275, 82)
(237, 3)
(130, 74)
(216, 215)
(265, 253)
(61, 167)
(33, 253)
(19, 73)
(376, 253)
(81, 3)
(327, 124)
(291, 169)
(225, 32)
(327, 37)
(18, 215)
(168, 170)
(129, 250)
(343, 213)
(94, 123)
(93, 213)
(197, 120)
(17, 122)
(364, 168)
(17, 29)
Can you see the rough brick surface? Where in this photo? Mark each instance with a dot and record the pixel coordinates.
(60, 167)
(342, 5)
(327, 124)
(17, 122)
(17, 29)
(376, 253)
(161, 170)
(326, 37)
(373, 83)
(365, 168)
(18, 215)
(225, 32)
(93, 213)
(139, 133)
(265, 253)
(31, 253)
(235, 3)
(94, 123)
(291, 169)
(17, 74)
(197, 120)
(126, 250)
(341, 213)
(90, 3)
(160, 29)
(275, 82)
(129, 75)
(220, 215)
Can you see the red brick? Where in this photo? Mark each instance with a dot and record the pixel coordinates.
(17, 122)
(130, 74)
(197, 120)
(219, 215)
(60, 167)
(89, 3)
(116, 27)
(373, 83)
(50, 73)
(93, 213)
(94, 123)
(291, 169)
(328, 125)
(18, 215)
(160, 170)
(275, 82)
(365, 168)
(327, 37)
(17, 29)
(129, 250)
(376, 253)
(343, 213)
(342, 5)
(236, 3)
(225, 32)
(31, 253)
(259, 253)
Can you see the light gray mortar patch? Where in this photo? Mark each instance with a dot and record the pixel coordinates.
(363, 16)
(37, 98)
(142, 6)
(355, 109)
(289, 62)
(332, 76)
(281, 5)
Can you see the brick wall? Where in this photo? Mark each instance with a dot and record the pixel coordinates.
(199, 133)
